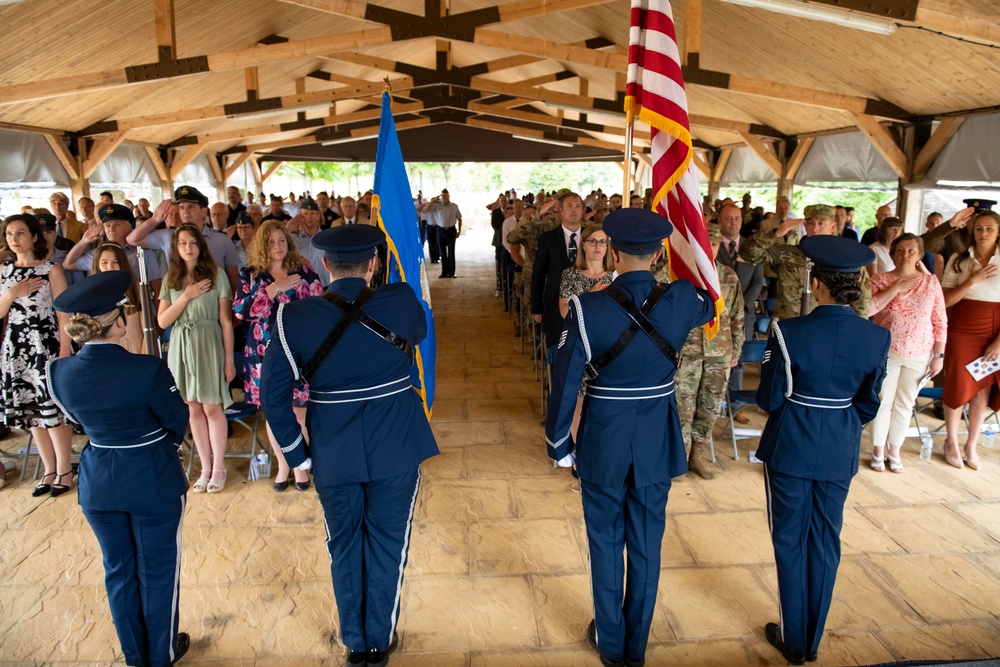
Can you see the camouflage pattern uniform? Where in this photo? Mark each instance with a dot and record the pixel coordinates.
(526, 235)
(704, 373)
(788, 263)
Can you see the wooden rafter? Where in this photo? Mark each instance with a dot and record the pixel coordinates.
(569, 53)
(762, 151)
(360, 133)
(100, 152)
(216, 167)
(255, 168)
(702, 166)
(883, 142)
(798, 157)
(166, 30)
(692, 30)
(964, 21)
(65, 158)
(161, 168)
(720, 164)
(545, 119)
(932, 149)
(183, 160)
(511, 11)
(236, 164)
(271, 169)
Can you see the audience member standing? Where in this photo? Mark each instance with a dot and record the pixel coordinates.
(446, 217)
(557, 250)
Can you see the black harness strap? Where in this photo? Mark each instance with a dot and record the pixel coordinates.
(640, 321)
(352, 314)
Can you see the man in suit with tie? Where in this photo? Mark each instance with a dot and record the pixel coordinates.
(751, 282)
(557, 250)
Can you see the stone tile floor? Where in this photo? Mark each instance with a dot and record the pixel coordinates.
(497, 575)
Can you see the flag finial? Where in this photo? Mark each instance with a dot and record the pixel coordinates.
(388, 87)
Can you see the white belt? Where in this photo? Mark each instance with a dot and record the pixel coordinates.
(361, 394)
(161, 436)
(630, 393)
(820, 402)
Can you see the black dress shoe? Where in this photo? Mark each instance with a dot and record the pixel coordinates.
(772, 631)
(280, 486)
(43, 489)
(302, 486)
(182, 642)
(377, 658)
(592, 642)
(356, 658)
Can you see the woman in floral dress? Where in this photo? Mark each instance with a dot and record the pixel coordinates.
(274, 273)
(32, 339)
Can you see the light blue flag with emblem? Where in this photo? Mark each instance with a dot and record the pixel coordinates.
(394, 211)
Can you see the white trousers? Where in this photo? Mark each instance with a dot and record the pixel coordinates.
(899, 393)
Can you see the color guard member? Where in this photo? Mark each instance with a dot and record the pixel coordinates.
(367, 430)
(629, 442)
(132, 486)
(820, 382)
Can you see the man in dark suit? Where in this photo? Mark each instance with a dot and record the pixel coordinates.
(557, 250)
(751, 282)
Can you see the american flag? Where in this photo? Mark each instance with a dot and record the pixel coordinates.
(655, 95)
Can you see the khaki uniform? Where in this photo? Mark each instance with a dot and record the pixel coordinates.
(704, 373)
(788, 263)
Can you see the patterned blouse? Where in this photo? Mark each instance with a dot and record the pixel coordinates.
(916, 319)
(575, 283)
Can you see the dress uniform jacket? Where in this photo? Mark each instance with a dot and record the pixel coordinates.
(365, 420)
(615, 434)
(134, 424)
(820, 381)
(551, 259)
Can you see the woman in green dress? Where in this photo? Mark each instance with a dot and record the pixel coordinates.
(196, 298)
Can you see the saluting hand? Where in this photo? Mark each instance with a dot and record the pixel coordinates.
(959, 220)
(26, 287)
(295, 224)
(160, 213)
(194, 290)
(93, 233)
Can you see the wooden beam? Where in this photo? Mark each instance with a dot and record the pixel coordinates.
(270, 170)
(66, 159)
(974, 21)
(257, 176)
(692, 30)
(217, 171)
(253, 83)
(560, 51)
(161, 168)
(932, 149)
(360, 133)
(545, 119)
(798, 156)
(215, 62)
(762, 151)
(166, 33)
(349, 8)
(236, 164)
(702, 166)
(720, 164)
(883, 142)
(181, 161)
(100, 152)
(512, 11)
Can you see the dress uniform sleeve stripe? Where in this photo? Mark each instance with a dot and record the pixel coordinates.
(575, 302)
(284, 343)
(52, 394)
(788, 360)
(293, 445)
(177, 581)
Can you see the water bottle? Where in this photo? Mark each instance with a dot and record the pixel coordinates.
(988, 436)
(926, 446)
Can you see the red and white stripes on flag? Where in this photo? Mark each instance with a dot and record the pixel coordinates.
(655, 95)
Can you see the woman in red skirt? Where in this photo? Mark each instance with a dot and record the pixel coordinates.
(971, 284)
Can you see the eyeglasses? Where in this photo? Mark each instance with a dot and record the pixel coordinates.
(597, 243)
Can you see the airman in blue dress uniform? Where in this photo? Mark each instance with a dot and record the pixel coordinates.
(367, 431)
(132, 486)
(820, 382)
(629, 442)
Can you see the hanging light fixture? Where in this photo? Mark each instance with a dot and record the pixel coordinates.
(825, 14)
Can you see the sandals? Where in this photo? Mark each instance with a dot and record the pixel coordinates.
(201, 484)
(218, 481)
(895, 463)
(877, 463)
(42, 488)
(59, 489)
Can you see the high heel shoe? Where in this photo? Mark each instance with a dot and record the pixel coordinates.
(953, 459)
(218, 481)
(281, 486)
(59, 489)
(42, 488)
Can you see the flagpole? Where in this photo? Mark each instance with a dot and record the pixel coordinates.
(627, 185)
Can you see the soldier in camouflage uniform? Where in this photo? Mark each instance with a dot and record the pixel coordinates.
(766, 247)
(704, 373)
(525, 234)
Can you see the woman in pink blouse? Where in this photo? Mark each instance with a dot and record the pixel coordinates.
(274, 273)
(908, 302)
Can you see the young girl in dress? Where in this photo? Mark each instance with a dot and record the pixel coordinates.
(31, 340)
(197, 300)
(111, 257)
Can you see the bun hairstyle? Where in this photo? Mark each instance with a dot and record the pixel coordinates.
(83, 328)
(845, 288)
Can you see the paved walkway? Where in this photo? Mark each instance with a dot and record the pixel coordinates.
(498, 566)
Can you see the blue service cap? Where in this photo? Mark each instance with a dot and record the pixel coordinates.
(636, 231)
(96, 294)
(47, 221)
(190, 194)
(116, 212)
(309, 205)
(349, 243)
(243, 218)
(837, 254)
(980, 204)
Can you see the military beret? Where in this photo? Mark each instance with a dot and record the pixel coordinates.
(115, 212)
(818, 211)
(636, 231)
(980, 204)
(190, 194)
(349, 243)
(47, 221)
(837, 254)
(96, 294)
(714, 233)
(309, 205)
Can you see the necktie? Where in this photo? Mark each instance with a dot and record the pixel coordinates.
(732, 248)
(572, 248)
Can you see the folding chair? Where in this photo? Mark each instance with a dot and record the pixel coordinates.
(752, 353)
(932, 394)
